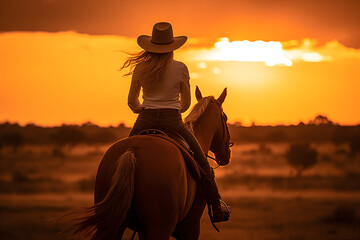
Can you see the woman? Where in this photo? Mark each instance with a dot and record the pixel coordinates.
(166, 94)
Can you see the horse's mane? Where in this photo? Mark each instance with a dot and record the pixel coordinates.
(198, 110)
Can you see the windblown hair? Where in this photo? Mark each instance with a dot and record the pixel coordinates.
(150, 65)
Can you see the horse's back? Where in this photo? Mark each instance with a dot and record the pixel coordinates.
(164, 189)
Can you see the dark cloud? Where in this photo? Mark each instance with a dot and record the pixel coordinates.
(238, 19)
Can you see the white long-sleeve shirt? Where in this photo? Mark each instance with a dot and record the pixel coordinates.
(172, 91)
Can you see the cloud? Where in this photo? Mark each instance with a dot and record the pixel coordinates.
(271, 53)
(265, 20)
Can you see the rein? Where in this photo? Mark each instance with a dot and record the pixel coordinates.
(225, 129)
(218, 165)
(226, 140)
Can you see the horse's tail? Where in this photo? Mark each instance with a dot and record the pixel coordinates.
(105, 218)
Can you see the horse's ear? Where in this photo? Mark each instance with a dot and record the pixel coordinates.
(222, 97)
(198, 93)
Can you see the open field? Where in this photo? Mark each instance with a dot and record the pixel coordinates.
(38, 185)
(253, 217)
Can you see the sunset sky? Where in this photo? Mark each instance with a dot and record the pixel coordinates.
(282, 61)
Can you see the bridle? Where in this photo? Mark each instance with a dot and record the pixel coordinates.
(226, 143)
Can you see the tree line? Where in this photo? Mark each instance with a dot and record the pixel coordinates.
(318, 130)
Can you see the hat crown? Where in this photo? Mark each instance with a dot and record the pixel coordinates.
(162, 39)
(162, 33)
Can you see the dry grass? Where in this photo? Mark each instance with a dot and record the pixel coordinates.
(267, 200)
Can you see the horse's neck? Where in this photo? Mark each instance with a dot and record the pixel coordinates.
(205, 128)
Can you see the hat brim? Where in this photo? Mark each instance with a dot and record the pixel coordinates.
(145, 43)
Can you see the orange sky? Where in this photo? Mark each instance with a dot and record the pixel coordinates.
(59, 58)
(67, 77)
(266, 20)
(277, 20)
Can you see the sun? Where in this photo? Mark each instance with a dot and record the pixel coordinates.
(271, 53)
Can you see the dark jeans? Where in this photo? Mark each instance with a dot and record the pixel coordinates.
(170, 119)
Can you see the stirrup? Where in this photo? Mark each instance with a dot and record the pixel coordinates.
(225, 210)
(227, 207)
(226, 213)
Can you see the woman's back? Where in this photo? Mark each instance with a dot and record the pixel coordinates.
(165, 92)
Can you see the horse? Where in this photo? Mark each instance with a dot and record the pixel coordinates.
(142, 182)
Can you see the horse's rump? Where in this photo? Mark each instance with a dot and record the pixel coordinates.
(164, 190)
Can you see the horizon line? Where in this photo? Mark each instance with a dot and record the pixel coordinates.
(123, 124)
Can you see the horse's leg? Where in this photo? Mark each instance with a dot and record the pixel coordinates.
(192, 233)
(121, 231)
(189, 227)
(104, 235)
(158, 220)
(155, 234)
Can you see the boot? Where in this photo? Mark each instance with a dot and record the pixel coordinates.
(217, 212)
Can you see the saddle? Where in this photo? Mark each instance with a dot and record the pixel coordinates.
(181, 144)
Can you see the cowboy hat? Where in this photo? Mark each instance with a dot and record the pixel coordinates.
(162, 39)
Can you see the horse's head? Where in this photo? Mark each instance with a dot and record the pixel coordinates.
(221, 143)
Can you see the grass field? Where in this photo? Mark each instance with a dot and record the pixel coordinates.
(39, 184)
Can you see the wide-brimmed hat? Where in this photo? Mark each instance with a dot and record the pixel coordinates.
(162, 39)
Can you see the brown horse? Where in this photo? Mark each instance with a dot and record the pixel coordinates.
(143, 184)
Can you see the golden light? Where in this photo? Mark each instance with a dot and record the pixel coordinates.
(194, 75)
(202, 65)
(271, 53)
(312, 57)
(216, 70)
(77, 75)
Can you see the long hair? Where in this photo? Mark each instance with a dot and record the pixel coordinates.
(150, 65)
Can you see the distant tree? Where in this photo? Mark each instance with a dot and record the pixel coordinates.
(276, 136)
(301, 123)
(14, 139)
(301, 157)
(264, 149)
(89, 124)
(57, 152)
(355, 144)
(345, 214)
(237, 124)
(30, 125)
(104, 136)
(320, 120)
(342, 135)
(19, 177)
(67, 135)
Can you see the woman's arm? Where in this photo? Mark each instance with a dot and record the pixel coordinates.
(133, 97)
(185, 94)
